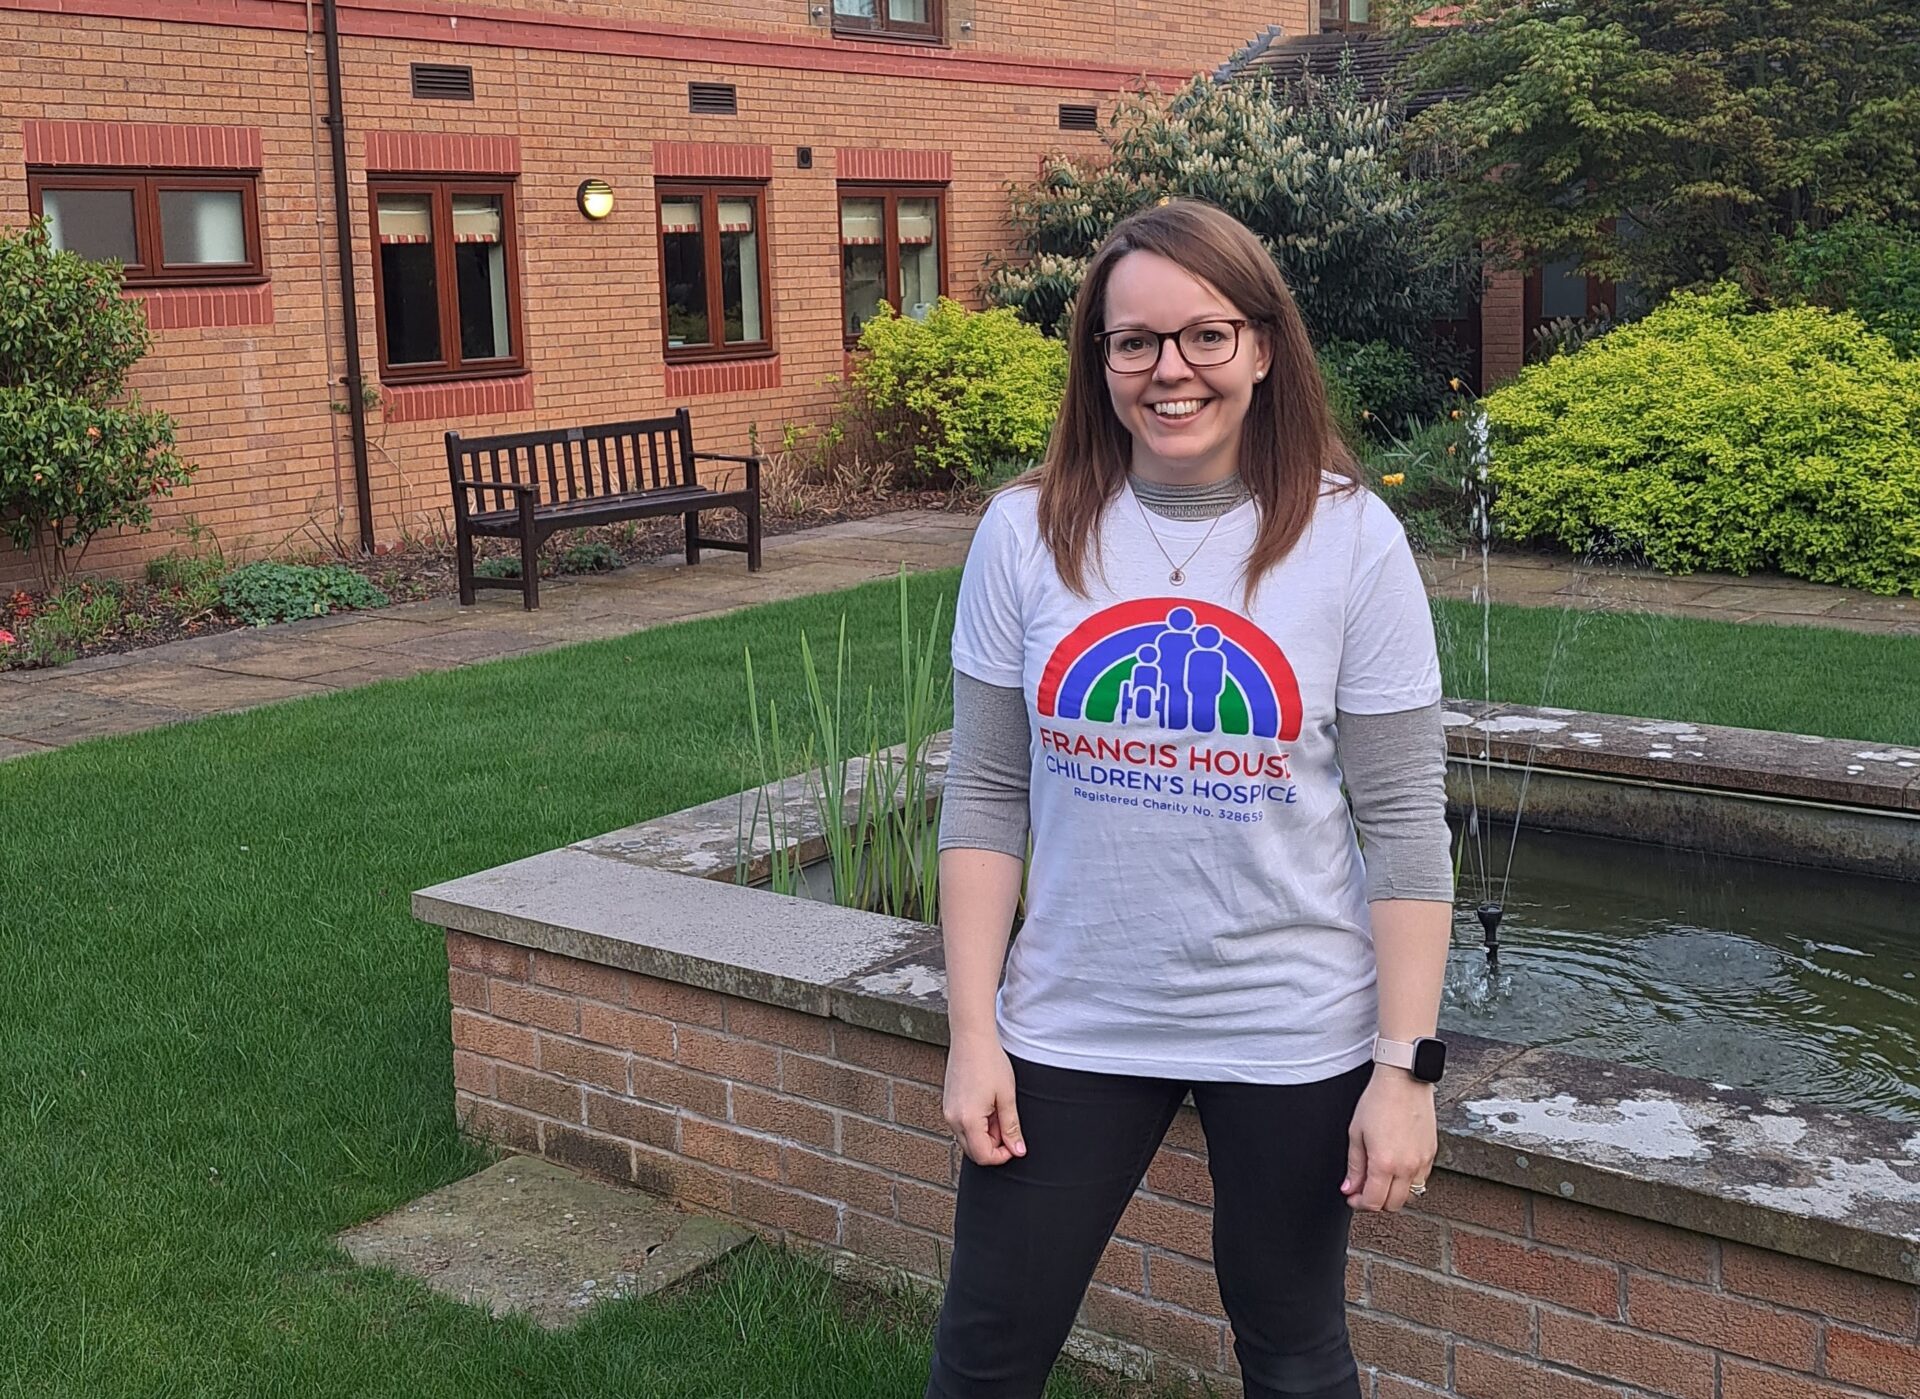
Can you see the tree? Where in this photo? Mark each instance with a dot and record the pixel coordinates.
(1670, 142)
(77, 453)
(1308, 166)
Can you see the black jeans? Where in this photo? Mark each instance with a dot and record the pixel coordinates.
(1027, 1235)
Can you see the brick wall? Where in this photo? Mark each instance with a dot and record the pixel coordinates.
(587, 91)
(1503, 328)
(829, 1135)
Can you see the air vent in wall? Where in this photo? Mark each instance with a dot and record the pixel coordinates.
(444, 80)
(1078, 117)
(712, 99)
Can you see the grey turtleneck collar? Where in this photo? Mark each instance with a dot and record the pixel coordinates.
(1201, 501)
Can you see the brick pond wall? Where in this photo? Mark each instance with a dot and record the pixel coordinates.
(829, 1135)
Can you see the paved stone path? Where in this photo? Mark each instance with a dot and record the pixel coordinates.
(1533, 581)
(125, 693)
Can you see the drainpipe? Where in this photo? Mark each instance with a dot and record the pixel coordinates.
(349, 307)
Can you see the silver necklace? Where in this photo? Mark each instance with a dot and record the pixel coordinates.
(1178, 575)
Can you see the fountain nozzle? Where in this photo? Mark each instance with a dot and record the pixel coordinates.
(1490, 916)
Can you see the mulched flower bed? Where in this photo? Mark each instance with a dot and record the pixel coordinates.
(107, 617)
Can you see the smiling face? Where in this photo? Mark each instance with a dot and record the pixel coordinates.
(1185, 420)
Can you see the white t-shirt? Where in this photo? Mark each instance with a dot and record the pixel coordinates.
(1196, 905)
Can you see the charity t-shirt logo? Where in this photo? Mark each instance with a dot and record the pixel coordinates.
(1173, 664)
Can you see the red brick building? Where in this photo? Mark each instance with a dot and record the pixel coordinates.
(773, 171)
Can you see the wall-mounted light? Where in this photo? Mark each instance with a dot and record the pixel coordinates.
(595, 198)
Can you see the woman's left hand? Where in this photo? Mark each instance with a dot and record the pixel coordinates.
(1391, 1144)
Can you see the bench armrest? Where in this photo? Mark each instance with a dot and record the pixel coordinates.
(530, 488)
(752, 464)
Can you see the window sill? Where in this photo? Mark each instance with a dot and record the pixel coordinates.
(730, 354)
(882, 36)
(395, 376)
(142, 285)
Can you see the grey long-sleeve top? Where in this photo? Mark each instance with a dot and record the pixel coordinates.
(1394, 765)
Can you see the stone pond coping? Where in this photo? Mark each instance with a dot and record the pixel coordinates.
(1827, 1186)
(1804, 767)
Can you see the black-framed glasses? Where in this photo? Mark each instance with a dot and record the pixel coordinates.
(1203, 345)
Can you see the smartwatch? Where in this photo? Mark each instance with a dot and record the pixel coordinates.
(1425, 1058)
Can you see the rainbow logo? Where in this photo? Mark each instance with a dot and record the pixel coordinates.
(1173, 664)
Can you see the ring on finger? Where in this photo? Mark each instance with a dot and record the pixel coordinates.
(1419, 1188)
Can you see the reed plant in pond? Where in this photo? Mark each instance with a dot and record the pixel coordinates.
(877, 811)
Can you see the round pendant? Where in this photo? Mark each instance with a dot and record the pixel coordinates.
(1176, 578)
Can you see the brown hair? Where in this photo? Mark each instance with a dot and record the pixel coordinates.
(1287, 441)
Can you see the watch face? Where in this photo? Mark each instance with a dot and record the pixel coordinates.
(1429, 1059)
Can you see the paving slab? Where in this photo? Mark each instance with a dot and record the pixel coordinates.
(196, 689)
(379, 633)
(372, 666)
(468, 647)
(1638, 588)
(121, 717)
(1876, 609)
(1745, 597)
(527, 1236)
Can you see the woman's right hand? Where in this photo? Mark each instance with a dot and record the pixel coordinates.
(978, 1103)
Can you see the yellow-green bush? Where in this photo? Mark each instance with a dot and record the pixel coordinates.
(1706, 436)
(966, 397)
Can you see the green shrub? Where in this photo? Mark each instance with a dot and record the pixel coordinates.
(590, 556)
(1709, 437)
(962, 397)
(77, 453)
(263, 593)
(499, 566)
(1375, 388)
(1870, 269)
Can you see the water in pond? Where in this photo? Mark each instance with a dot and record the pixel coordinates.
(1783, 979)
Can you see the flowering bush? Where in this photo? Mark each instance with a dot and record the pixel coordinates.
(75, 456)
(1308, 164)
(1707, 436)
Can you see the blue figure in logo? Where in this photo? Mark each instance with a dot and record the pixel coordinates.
(1206, 677)
(1175, 643)
(1142, 693)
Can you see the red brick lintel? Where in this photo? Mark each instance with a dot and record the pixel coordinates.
(441, 153)
(140, 145)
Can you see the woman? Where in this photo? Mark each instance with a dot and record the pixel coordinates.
(1174, 642)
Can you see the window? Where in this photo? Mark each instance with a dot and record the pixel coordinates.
(166, 229)
(889, 251)
(1345, 14)
(889, 19)
(447, 290)
(713, 268)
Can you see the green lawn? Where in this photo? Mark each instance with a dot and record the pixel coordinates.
(1810, 680)
(224, 1037)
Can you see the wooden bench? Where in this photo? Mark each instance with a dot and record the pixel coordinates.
(528, 485)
